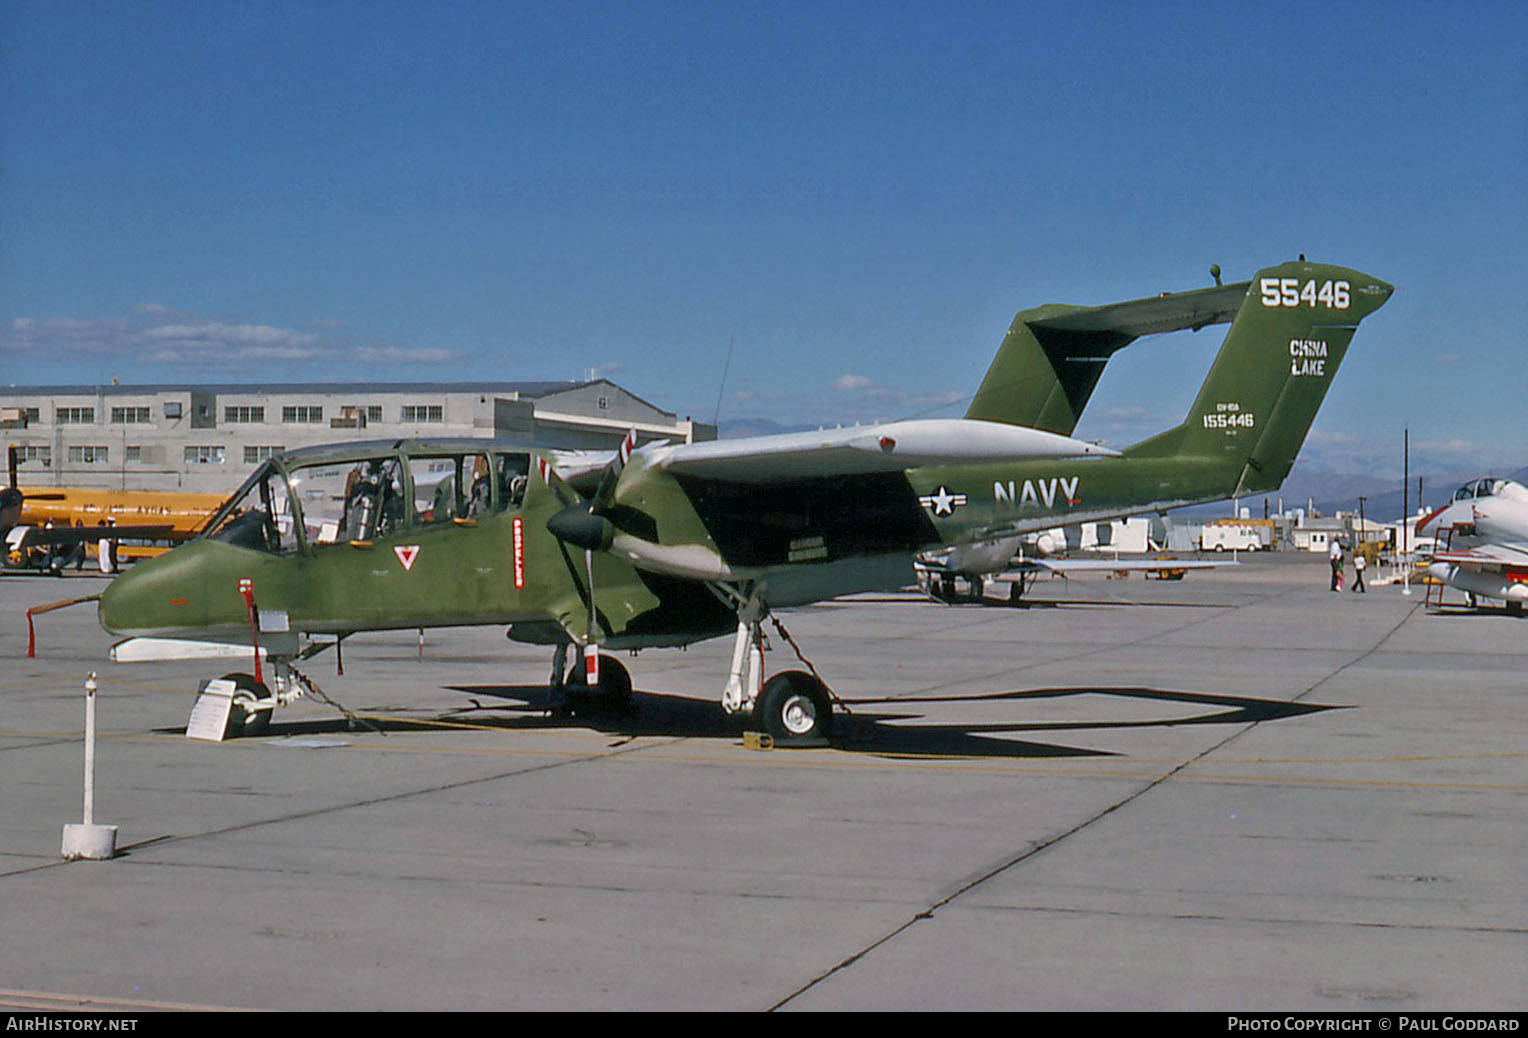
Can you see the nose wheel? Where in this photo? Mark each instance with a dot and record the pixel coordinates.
(253, 705)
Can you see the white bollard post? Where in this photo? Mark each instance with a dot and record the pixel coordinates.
(88, 840)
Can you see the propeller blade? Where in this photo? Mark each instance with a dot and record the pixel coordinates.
(550, 479)
(583, 524)
(605, 495)
(591, 646)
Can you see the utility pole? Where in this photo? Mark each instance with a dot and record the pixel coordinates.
(1403, 550)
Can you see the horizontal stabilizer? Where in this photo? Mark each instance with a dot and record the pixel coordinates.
(1168, 312)
(1053, 355)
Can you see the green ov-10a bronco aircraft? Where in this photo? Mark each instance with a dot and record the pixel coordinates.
(671, 544)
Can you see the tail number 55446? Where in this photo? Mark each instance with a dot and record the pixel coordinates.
(1292, 292)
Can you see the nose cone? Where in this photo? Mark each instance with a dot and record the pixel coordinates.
(123, 599)
(156, 595)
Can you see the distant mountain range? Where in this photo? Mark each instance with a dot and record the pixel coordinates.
(1329, 492)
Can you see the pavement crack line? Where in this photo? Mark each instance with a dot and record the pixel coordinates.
(161, 841)
(1020, 857)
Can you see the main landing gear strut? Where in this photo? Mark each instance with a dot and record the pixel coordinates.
(795, 707)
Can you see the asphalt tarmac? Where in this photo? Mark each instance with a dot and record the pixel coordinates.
(1238, 792)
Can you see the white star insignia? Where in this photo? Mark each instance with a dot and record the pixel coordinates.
(942, 501)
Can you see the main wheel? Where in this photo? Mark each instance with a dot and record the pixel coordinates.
(244, 718)
(794, 707)
(613, 691)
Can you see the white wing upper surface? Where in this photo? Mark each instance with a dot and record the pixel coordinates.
(886, 447)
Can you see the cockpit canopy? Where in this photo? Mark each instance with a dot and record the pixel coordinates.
(1491, 486)
(321, 496)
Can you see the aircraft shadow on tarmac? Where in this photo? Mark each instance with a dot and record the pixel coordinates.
(880, 726)
(1032, 601)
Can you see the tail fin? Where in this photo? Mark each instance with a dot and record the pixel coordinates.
(1289, 336)
(1053, 355)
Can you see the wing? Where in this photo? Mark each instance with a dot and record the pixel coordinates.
(865, 450)
(22, 537)
(1491, 570)
(1487, 557)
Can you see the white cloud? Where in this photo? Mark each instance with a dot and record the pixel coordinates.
(407, 355)
(216, 332)
(193, 347)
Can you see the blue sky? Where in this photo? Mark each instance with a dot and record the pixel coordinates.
(859, 196)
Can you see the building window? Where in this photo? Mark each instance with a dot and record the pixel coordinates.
(302, 414)
(603, 403)
(133, 454)
(130, 415)
(414, 414)
(255, 455)
(172, 409)
(74, 416)
(373, 413)
(31, 454)
(244, 415)
(204, 455)
(89, 455)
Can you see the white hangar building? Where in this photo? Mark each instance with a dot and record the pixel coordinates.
(209, 438)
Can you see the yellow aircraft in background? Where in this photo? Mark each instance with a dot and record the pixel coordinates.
(49, 527)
